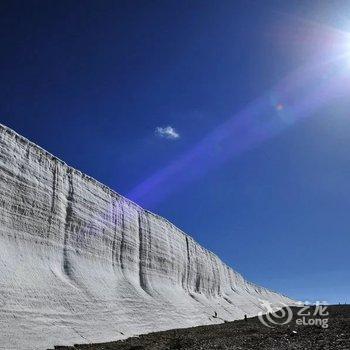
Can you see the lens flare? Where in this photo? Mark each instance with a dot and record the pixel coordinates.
(296, 97)
(279, 107)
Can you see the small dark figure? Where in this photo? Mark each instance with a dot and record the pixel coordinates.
(245, 318)
(215, 314)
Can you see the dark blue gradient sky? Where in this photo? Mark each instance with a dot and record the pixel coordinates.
(91, 80)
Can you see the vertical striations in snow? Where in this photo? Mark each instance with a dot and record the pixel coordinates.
(67, 268)
(80, 263)
(143, 228)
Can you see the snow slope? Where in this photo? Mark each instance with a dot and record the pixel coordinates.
(80, 263)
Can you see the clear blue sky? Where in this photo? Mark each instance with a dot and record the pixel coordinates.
(255, 164)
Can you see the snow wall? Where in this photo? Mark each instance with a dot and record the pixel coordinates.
(79, 263)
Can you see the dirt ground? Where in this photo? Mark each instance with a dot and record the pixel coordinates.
(246, 335)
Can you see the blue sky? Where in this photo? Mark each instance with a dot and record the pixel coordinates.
(222, 116)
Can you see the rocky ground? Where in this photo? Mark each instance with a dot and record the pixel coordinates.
(246, 335)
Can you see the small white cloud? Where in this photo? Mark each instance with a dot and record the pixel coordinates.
(167, 132)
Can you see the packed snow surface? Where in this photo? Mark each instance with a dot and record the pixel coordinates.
(79, 263)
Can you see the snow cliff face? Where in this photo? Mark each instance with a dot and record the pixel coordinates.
(80, 263)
